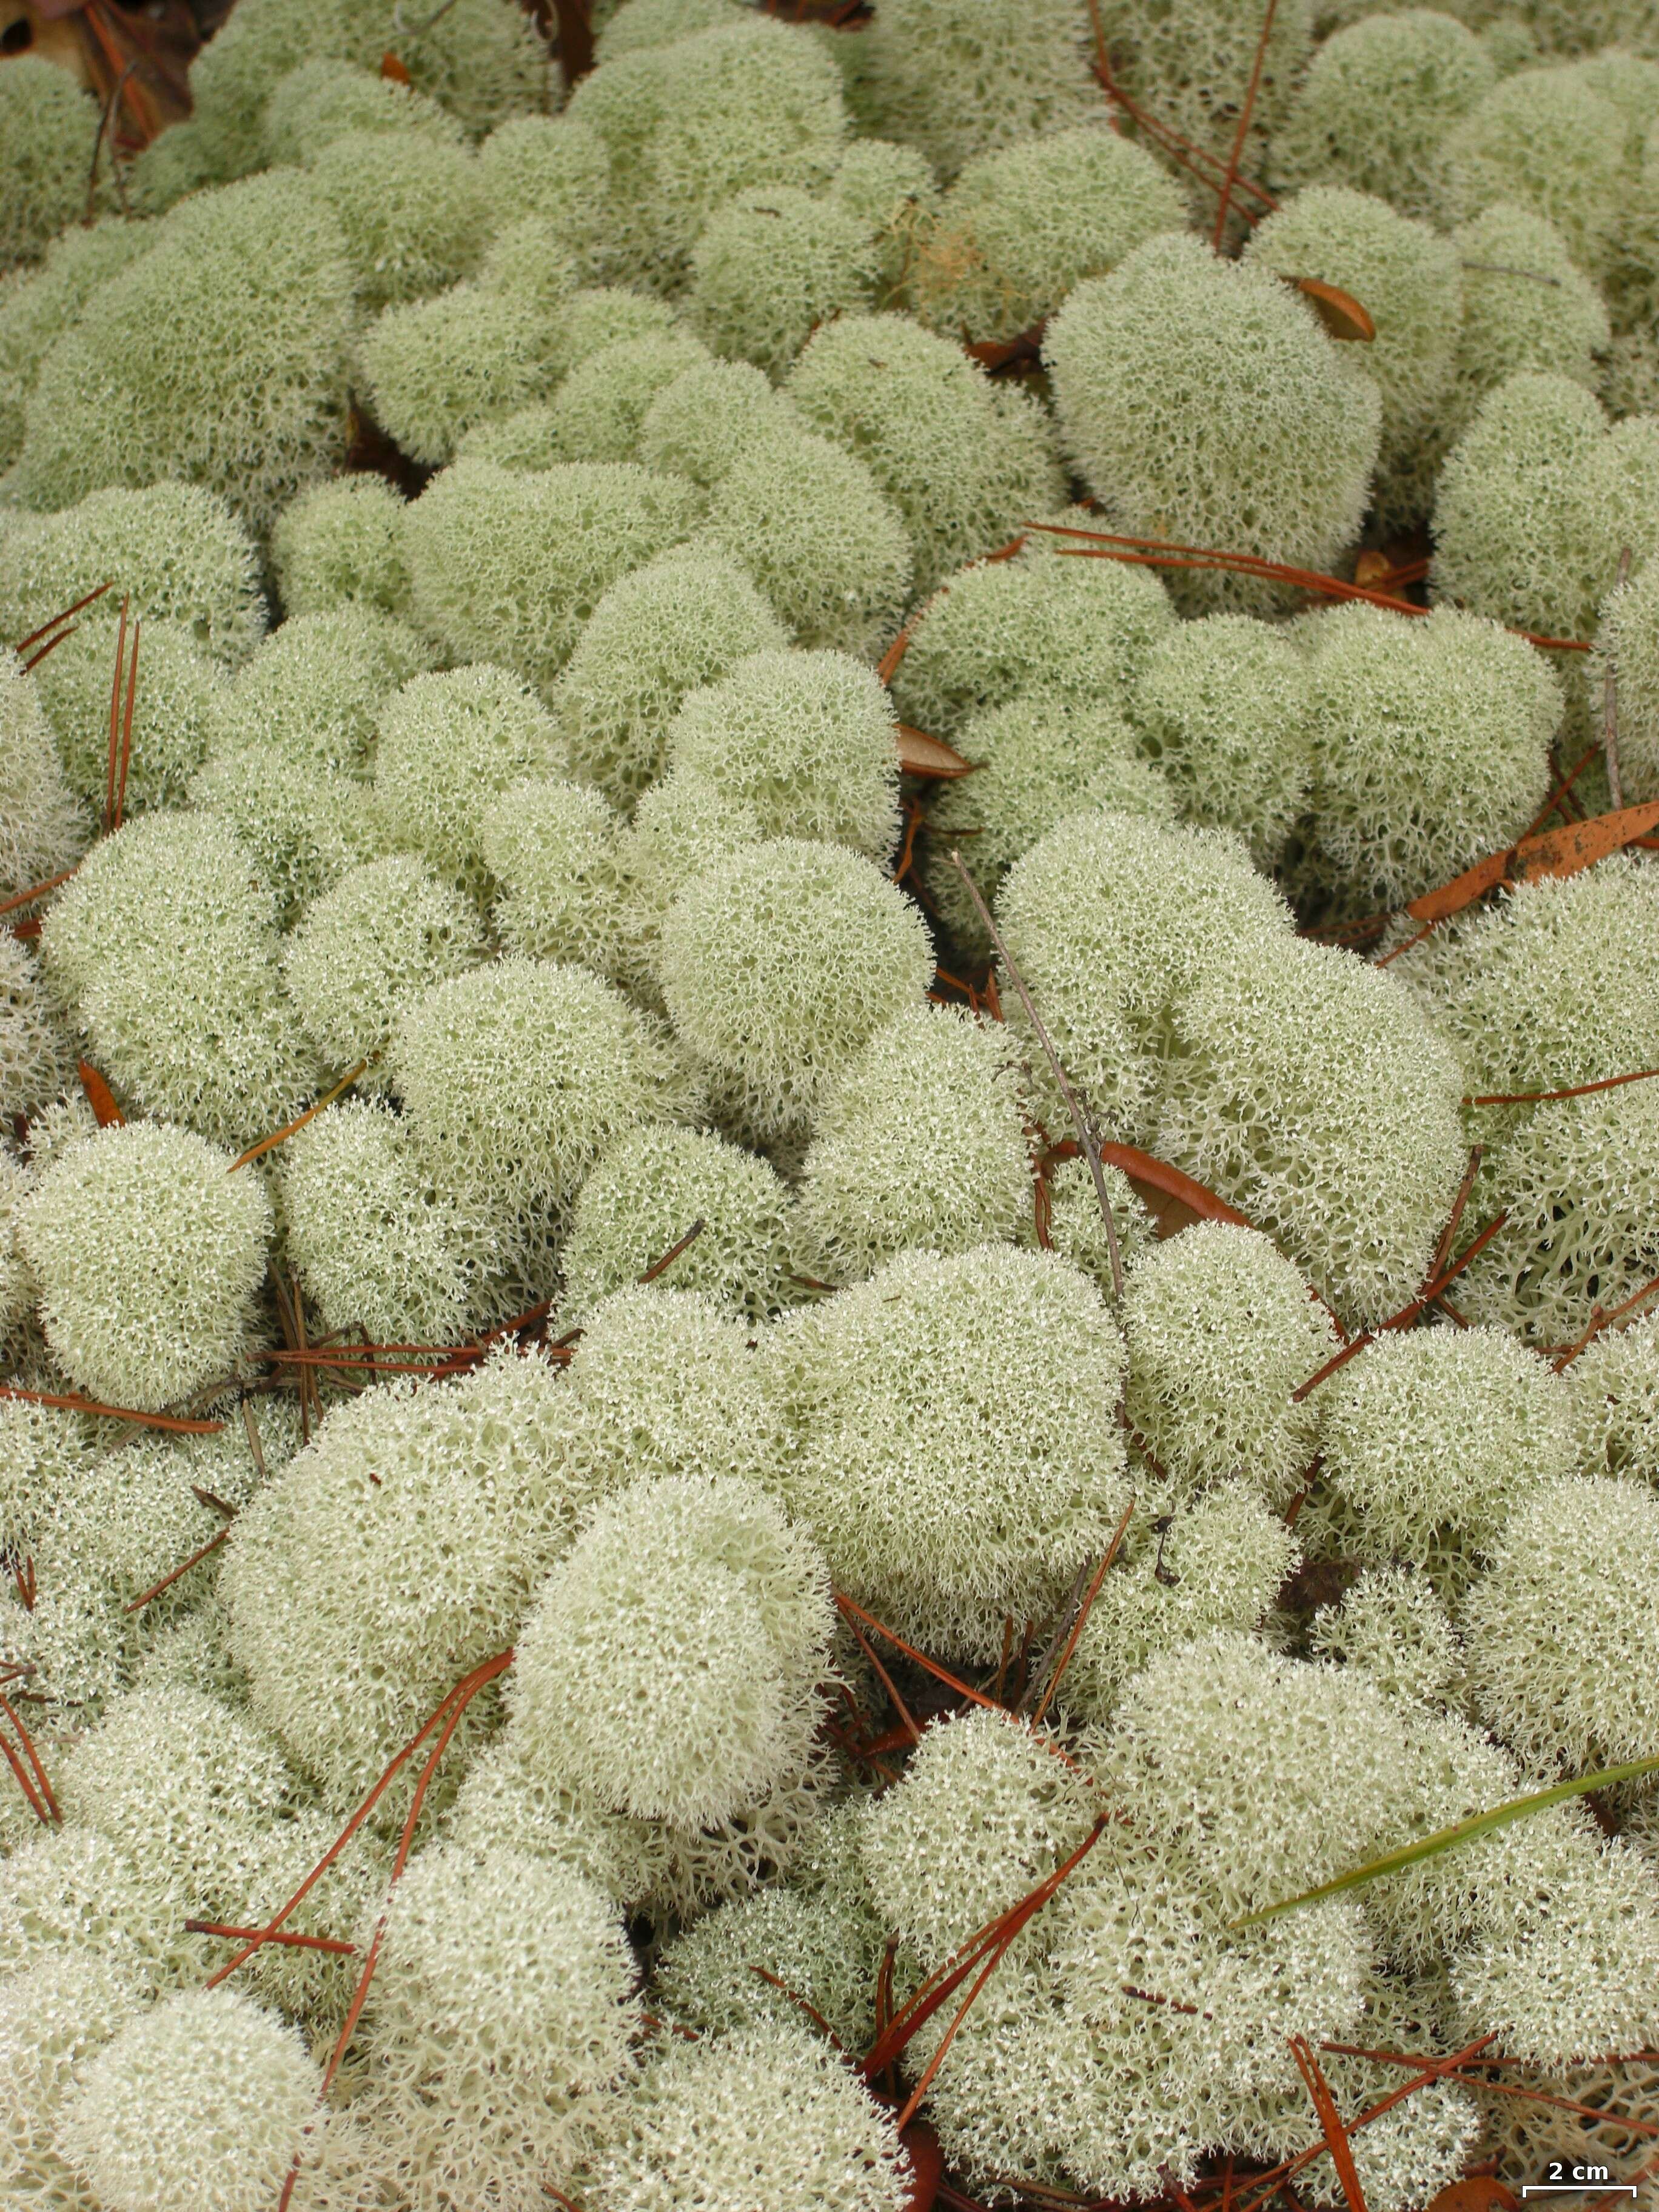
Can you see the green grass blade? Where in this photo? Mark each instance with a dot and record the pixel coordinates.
(1462, 1831)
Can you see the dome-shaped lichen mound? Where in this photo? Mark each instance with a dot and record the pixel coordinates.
(507, 565)
(255, 274)
(808, 740)
(515, 1078)
(664, 1383)
(643, 1194)
(1377, 99)
(411, 209)
(44, 828)
(355, 1604)
(36, 1059)
(964, 461)
(778, 964)
(1311, 1093)
(1536, 503)
(205, 2099)
(338, 542)
(919, 1144)
(823, 1944)
(1031, 623)
(1020, 226)
(1275, 1775)
(1628, 646)
(1545, 139)
(373, 1245)
(1613, 1386)
(698, 426)
(771, 264)
(1217, 1564)
(818, 535)
(959, 1453)
(705, 1584)
(1041, 756)
(1203, 401)
(681, 622)
(1577, 1182)
(1222, 708)
(1192, 63)
(386, 931)
(962, 77)
(49, 127)
(1109, 918)
(448, 745)
(321, 100)
(176, 712)
(688, 125)
(1507, 985)
(1442, 1429)
(597, 412)
(54, 2016)
(1526, 306)
(1431, 746)
(165, 948)
(38, 305)
(464, 1994)
(1587, 1699)
(682, 829)
(302, 823)
(1408, 277)
(313, 690)
(175, 551)
(552, 846)
(147, 1253)
(935, 1879)
(1221, 1330)
(770, 2111)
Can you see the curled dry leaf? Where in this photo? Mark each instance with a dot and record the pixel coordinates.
(921, 754)
(99, 1096)
(1561, 852)
(1341, 313)
(1174, 1200)
(395, 71)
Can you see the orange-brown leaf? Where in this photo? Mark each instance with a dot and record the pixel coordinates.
(1483, 2192)
(921, 754)
(1341, 313)
(1575, 844)
(1174, 1200)
(99, 1096)
(395, 71)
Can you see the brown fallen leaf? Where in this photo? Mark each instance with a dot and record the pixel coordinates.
(1560, 852)
(393, 70)
(1482, 2192)
(921, 754)
(1174, 1200)
(1341, 313)
(99, 1097)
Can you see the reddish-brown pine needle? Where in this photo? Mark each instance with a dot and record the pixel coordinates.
(1230, 182)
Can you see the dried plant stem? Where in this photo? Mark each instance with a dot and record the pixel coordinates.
(1574, 1090)
(42, 1781)
(1330, 2121)
(167, 1581)
(661, 1267)
(1405, 1315)
(176, 1423)
(1074, 1621)
(1085, 1135)
(36, 890)
(1599, 1321)
(330, 1943)
(1230, 182)
(115, 719)
(97, 592)
(1170, 553)
(281, 1136)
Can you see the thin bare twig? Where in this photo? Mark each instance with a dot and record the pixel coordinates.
(1078, 1615)
(1230, 182)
